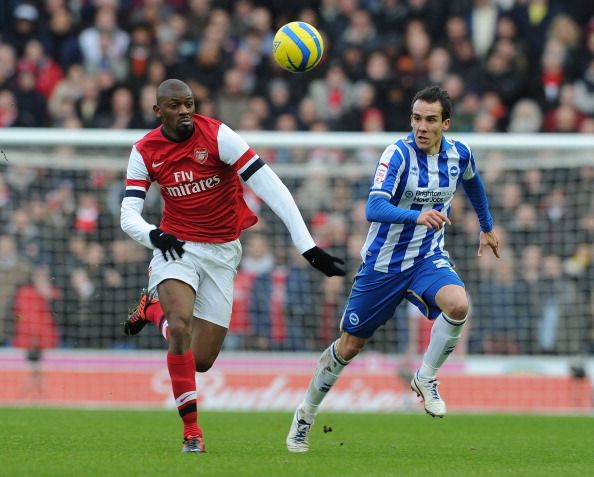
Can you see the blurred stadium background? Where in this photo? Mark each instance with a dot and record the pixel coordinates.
(77, 81)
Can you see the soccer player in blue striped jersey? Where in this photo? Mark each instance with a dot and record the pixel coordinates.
(404, 255)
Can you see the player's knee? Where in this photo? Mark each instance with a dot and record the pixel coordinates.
(179, 330)
(457, 311)
(453, 302)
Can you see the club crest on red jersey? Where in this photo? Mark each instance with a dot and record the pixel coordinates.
(201, 155)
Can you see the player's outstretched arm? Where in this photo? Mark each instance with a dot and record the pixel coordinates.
(268, 187)
(488, 239)
(475, 190)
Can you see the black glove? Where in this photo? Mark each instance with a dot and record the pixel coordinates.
(167, 243)
(324, 262)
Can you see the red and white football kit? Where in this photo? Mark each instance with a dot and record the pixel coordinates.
(204, 206)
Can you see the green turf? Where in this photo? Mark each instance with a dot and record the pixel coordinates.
(81, 443)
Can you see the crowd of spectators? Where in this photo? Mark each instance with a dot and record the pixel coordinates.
(521, 66)
(517, 66)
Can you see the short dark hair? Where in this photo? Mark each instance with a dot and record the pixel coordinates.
(432, 94)
(172, 87)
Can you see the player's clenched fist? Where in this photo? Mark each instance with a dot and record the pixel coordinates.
(433, 219)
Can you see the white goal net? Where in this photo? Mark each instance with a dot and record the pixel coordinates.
(68, 274)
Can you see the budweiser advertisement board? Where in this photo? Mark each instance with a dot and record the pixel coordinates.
(268, 381)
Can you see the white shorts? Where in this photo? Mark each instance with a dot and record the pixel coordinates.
(210, 269)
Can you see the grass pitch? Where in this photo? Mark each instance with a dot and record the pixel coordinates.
(85, 443)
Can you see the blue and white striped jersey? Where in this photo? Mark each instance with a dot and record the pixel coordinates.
(413, 180)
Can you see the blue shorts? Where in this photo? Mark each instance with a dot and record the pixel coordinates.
(375, 295)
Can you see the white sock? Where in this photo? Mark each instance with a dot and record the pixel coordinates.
(444, 336)
(327, 372)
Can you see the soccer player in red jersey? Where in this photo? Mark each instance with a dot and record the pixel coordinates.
(198, 162)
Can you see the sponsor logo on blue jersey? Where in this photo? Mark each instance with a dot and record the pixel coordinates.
(426, 196)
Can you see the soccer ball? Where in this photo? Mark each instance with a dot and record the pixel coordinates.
(297, 47)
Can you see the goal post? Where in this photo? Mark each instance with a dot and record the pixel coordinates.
(70, 274)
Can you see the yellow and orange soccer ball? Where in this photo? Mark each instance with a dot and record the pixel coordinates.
(298, 47)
